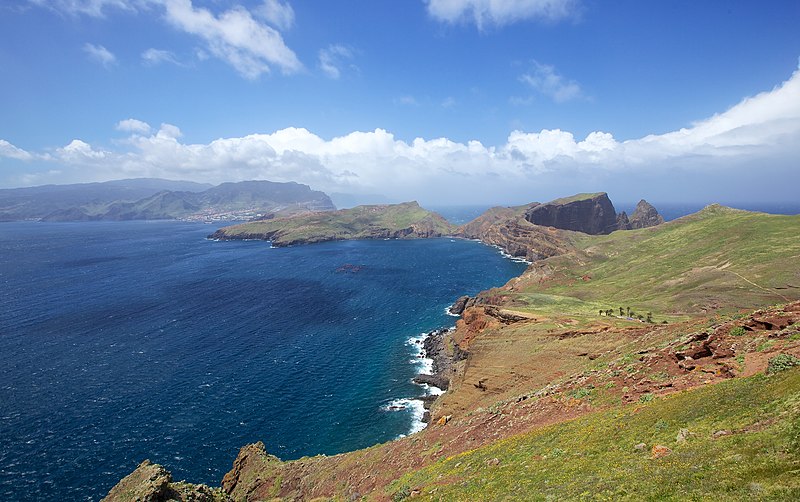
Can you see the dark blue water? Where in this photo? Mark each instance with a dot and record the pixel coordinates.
(126, 341)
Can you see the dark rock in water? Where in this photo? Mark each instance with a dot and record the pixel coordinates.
(435, 380)
(587, 213)
(645, 216)
(458, 307)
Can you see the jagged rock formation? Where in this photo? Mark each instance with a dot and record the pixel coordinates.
(587, 213)
(394, 221)
(152, 483)
(507, 228)
(645, 216)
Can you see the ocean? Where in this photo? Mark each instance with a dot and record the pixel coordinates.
(121, 342)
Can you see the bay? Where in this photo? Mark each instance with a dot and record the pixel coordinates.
(134, 340)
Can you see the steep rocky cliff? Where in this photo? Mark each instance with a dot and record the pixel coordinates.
(507, 228)
(587, 213)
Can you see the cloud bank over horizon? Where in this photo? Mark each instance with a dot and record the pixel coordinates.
(754, 144)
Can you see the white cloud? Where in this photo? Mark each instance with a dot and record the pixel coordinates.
(500, 12)
(332, 58)
(757, 139)
(236, 37)
(449, 102)
(81, 153)
(94, 8)
(13, 152)
(100, 54)
(546, 80)
(134, 126)
(278, 14)
(153, 57)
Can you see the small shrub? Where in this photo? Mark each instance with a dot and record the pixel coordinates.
(738, 331)
(582, 392)
(781, 362)
(645, 398)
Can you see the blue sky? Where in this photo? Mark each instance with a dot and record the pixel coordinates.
(438, 100)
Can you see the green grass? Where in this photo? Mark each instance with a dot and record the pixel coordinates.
(576, 198)
(593, 457)
(717, 258)
(362, 222)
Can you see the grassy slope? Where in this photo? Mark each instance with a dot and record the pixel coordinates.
(356, 223)
(718, 258)
(594, 456)
(575, 198)
(672, 270)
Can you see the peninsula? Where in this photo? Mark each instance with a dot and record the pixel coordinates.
(659, 362)
(394, 221)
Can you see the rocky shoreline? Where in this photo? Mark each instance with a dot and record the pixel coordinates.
(434, 347)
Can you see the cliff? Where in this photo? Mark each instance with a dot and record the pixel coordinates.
(394, 221)
(507, 228)
(587, 213)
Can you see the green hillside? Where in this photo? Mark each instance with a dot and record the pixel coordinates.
(407, 220)
(717, 259)
(738, 440)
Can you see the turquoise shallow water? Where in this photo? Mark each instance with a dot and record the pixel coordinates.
(126, 341)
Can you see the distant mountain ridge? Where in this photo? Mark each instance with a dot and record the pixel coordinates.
(155, 199)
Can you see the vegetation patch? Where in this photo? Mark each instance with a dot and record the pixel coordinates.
(733, 441)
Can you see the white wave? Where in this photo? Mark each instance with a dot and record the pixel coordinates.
(412, 406)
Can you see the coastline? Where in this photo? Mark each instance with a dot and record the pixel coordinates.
(437, 379)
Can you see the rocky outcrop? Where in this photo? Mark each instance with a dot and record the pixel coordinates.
(587, 213)
(152, 483)
(506, 228)
(644, 216)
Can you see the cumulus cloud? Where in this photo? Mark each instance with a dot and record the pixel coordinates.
(13, 152)
(154, 57)
(100, 54)
(332, 58)
(240, 37)
(134, 126)
(500, 12)
(546, 80)
(754, 142)
(235, 37)
(278, 14)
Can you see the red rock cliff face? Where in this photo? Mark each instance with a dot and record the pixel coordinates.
(591, 215)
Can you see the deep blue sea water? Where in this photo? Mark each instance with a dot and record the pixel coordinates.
(126, 341)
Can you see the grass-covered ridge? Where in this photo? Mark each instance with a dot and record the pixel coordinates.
(576, 198)
(407, 220)
(737, 440)
(718, 258)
